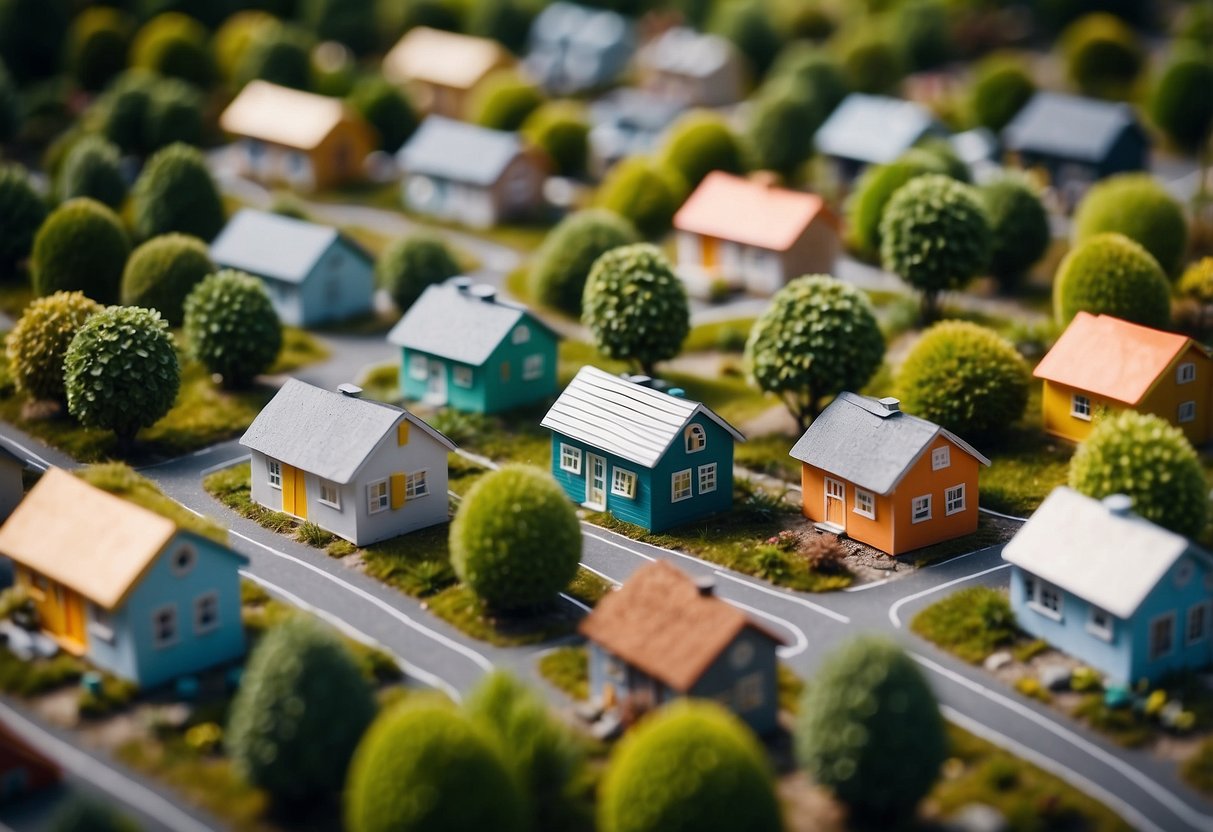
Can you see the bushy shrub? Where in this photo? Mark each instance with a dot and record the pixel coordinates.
(231, 327)
(22, 212)
(1102, 54)
(1138, 206)
(869, 710)
(699, 143)
(91, 169)
(236, 36)
(813, 72)
(351, 22)
(1001, 86)
(38, 343)
(561, 130)
(818, 337)
(871, 61)
(121, 111)
(31, 37)
(644, 192)
(1196, 283)
(97, 44)
(563, 262)
(1180, 104)
(280, 55)
(175, 192)
(505, 21)
(80, 247)
(635, 306)
(163, 271)
(177, 46)
(781, 123)
(923, 31)
(174, 114)
(1019, 226)
(690, 767)
(121, 370)
(748, 24)
(410, 264)
(387, 109)
(1112, 275)
(515, 539)
(503, 101)
(872, 193)
(1151, 461)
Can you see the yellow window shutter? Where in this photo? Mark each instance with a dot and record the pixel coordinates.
(402, 432)
(397, 490)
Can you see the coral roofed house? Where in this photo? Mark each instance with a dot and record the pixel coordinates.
(1103, 364)
(440, 68)
(886, 478)
(662, 635)
(752, 235)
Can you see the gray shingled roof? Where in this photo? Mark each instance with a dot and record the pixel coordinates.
(459, 324)
(1068, 126)
(458, 151)
(271, 245)
(684, 51)
(324, 432)
(860, 440)
(874, 129)
(624, 418)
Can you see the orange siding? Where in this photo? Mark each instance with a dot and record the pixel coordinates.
(339, 159)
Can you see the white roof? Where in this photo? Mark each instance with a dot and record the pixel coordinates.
(272, 246)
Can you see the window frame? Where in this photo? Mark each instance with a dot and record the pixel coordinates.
(1083, 412)
(948, 510)
(623, 483)
(334, 503)
(175, 637)
(1105, 631)
(273, 473)
(1154, 655)
(462, 376)
(694, 435)
(201, 629)
(1205, 609)
(707, 473)
(914, 513)
(521, 334)
(1185, 373)
(100, 622)
(1186, 412)
(373, 500)
(1037, 595)
(190, 554)
(410, 485)
(419, 367)
(571, 458)
(941, 458)
(533, 367)
(674, 489)
(862, 495)
(750, 694)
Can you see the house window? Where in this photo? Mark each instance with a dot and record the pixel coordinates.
(206, 613)
(100, 623)
(1162, 636)
(417, 368)
(1185, 373)
(865, 504)
(1099, 623)
(570, 459)
(741, 655)
(680, 485)
(920, 509)
(183, 560)
(330, 494)
(462, 376)
(697, 440)
(623, 483)
(1184, 573)
(164, 626)
(941, 458)
(505, 371)
(521, 334)
(376, 496)
(707, 478)
(273, 470)
(1043, 598)
(954, 499)
(415, 485)
(749, 692)
(1080, 407)
(532, 367)
(1187, 412)
(1198, 623)
(1050, 598)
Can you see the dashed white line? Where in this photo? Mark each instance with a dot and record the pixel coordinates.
(787, 596)
(896, 606)
(616, 544)
(801, 642)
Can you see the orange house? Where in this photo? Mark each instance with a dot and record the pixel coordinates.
(1103, 365)
(886, 478)
(440, 69)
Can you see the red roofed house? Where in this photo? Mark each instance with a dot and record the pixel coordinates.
(752, 235)
(1103, 364)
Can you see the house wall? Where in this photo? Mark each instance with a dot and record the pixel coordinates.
(340, 157)
(12, 489)
(749, 661)
(275, 164)
(636, 510)
(1128, 153)
(287, 300)
(471, 205)
(815, 252)
(340, 285)
(518, 192)
(1056, 406)
(876, 532)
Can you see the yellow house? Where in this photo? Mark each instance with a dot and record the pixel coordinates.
(1103, 364)
(440, 69)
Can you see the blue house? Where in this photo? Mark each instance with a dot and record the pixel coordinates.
(652, 458)
(313, 274)
(1115, 591)
(122, 586)
(463, 347)
(574, 48)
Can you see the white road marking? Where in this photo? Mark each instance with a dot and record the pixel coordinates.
(788, 651)
(614, 543)
(994, 513)
(787, 596)
(602, 575)
(870, 585)
(30, 457)
(575, 602)
(219, 466)
(895, 618)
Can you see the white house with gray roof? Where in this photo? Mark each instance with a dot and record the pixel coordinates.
(872, 130)
(693, 68)
(363, 470)
(312, 273)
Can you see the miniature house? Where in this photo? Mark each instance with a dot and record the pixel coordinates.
(574, 48)
(122, 586)
(752, 235)
(295, 138)
(626, 122)
(885, 478)
(1111, 589)
(363, 470)
(652, 458)
(871, 130)
(470, 174)
(1102, 364)
(440, 69)
(312, 273)
(12, 485)
(698, 70)
(461, 346)
(1071, 142)
(662, 635)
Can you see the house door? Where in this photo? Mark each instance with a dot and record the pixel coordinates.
(435, 383)
(73, 619)
(836, 503)
(294, 491)
(595, 485)
(710, 254)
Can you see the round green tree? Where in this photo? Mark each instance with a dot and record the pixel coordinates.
(560, 129)
(410, 264)
(872, 193)
(121, 370)
(635, 306)
(1001, 87)
(690, 767)
(1019, 226)
(80, 247)
(31, 37)
(780, 127)
(515, 539)
(1151, 461)
(1196, 287)
(934, 233)
(176, 46)
(934, 151)
(923, 31)
(699, 143)
(1109, 274)
(122, 110)
(643, 192)
(1102, 54)
(163, 271)
(424, 767)
(870, 711)
(351, 22)
(236, 36)
(97, 45)
(563, 262)
(1138, 206)
(818, 338)
(22, 212)
(175, 192)
(1180, 104)
(174, 114)
(503, 101)
(282, 55)
(231, 327)
(39, 341)
(748, 24)
(813, 72)
(871, 60)
(505, 21)
(91, 169)
(387, 109)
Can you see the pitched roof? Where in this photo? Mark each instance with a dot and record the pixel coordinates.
(624, 418)
(661, 623)
(271, 245)
(748, 212)
(873, 128)
(325, 433)
(1068, 126)
(281, 115)
(456, 150)
(1080, 544)
(460, 322)
(445, 58)
(1110, 357)
(683, 51)
(863, 441)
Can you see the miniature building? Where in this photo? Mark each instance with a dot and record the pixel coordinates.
(313, 273)
(698, 70)
(1103, 364)
(296, 138)
(470, 174)
(661, 635)
(871, 130)
(121, 585)
(363, 470)
(1115, 591)
(440, 69)
(23, 768)
(648, 457)
(752, 235)
(12, 486)
(886, 478)
(626, 122)
(574, 48)
(1072, 142)
(462, 346)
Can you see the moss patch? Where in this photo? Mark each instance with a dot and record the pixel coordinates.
(122, 480)
(567, 669)
(299, 349)
(970, 624)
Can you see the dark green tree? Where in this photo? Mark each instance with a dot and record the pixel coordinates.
(162, 272)
(176, 46)
(780, 127)
(814, 72)
(505, 21)
(561, 130)
(91, 169)
(1138, 206)
(1019, 226)
(1001, 87)
(232, 328)
(97, 45)
(871, 61)
(387, 109)
(174, 115)
(31, 37)
(748, 24)
(351, 22)
(1181, 107)
(1196, 287)
(22, 212)
(875, 188)
(236, 36)
(175, 192)
(699, 143)
(81, 247)
(1109, 274)
(645, 193)
(503, 101)
(410, 264)
(38, 343)
(1103, 56)
(923, 30)
(281, 55)
(563, 262)
(122, 110)
(10, 107)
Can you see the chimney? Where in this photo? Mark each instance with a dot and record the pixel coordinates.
(677, 392)
(1118, 505)
(484, 293)
(461, 284)
(706, 585)
(353, 391)
(891, 404)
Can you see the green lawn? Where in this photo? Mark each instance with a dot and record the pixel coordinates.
(722, 336)
(299, 349)
(567, 669)
(971, 623)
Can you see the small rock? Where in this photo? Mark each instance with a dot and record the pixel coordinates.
(1170, 713)
(1117, 696)
(1055, 676)
(978, 817)
(998, 660)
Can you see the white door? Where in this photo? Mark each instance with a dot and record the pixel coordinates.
(836, 503)
(595, 482)
(435, 383)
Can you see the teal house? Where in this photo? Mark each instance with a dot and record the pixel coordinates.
(463, 347)
(647, 456)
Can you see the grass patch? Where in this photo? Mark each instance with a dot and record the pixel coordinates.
(588, 588)
(970, 624)
(508, 437)
(382, 382)
(121, 480)
(722, 336)
(299, 349)
(15, 295)
(459, 606)
(768, 455)
(567, 669)
(1197, 770)
(1121, 725)
(791, 689)
(30, 678)
(1025, 464)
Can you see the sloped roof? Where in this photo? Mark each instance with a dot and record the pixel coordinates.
(748, 212)
(281, 115)
(445, 58)
(1069, 126)
(862, 441)
(875, 129)
(589, 29)
(683, 51)
(624, 418)
(1110, 357)
(659, 622)
(271, 245)
(325, 433)
(449, 149)
(1079, 544)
